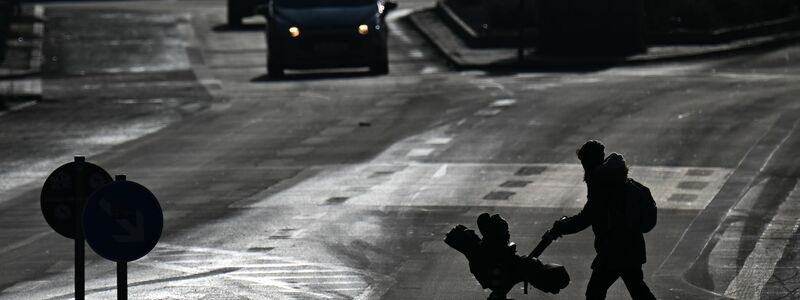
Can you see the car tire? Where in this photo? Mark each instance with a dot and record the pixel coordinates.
(380, 67)
(274, 69)
(234, 14)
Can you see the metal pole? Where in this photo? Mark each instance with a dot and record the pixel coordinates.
(521, 16)
(122, 280)
(122, 266)
(80, 201)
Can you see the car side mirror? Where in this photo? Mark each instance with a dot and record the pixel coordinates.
(389, 5)
(263, 9)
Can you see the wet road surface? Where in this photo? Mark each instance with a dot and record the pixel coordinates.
(342, 185)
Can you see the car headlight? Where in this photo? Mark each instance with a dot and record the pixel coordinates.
(294, 31)
(363, 29)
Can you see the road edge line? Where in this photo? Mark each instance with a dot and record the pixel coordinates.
(773, 238)
(695, 240)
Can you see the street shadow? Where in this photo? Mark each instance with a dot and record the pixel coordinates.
(535, 62)
(243, 27)
(532, 64)
(514, 70)
(308, 76)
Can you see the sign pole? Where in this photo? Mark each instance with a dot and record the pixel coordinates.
(65, 193)
(122, 266)
(80, 278)
(123, 222)
(122, 280)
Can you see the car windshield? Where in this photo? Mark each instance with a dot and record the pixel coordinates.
(318, 3)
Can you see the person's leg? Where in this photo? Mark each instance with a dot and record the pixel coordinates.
(634, 281)
(601, 280)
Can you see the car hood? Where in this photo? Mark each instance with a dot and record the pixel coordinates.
(326, 16)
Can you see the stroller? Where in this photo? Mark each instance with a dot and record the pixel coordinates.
(494, 262)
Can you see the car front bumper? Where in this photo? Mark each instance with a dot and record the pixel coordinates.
(326, 50)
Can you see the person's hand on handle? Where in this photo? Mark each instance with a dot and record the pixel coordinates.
(555, 232)
(551, 235)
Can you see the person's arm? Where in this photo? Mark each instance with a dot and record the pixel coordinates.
(576, 223)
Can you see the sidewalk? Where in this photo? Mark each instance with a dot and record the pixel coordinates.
(431, 24)
(20, 73)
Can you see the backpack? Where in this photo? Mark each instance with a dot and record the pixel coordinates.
(641, 208)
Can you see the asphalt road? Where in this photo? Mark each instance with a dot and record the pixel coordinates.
(340, 184)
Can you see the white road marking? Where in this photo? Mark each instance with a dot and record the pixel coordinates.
(503, 103)
(308, 276)
(394, 28)
(291, 271)
(17, 107)
(441, 172)
(429, 70)
(255, 273)
(556, 186)
(279, 273)
(472, 73)
(416, 53)
(420, 152)
(529, 75)
(398, 14)
(310, 217)
(338, 282)
(666, 70)
(761, 262)
(724, 257)
(487, 84)
(211, 83)
(438, 140)
(775, 150)
(540, 86)
(24, 242)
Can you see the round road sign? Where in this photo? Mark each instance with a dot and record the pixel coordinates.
(60, 197)
(122, 221)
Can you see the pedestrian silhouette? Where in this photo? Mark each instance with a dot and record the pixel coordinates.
(494, 262)
(619, 210)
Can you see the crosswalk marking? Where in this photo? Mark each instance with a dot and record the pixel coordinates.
(439, 140)
(760, 264)
(280, 275)
(420, 152)
(465, 184)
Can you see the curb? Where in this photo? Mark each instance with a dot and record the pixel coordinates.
(454, 59)
(447, 42)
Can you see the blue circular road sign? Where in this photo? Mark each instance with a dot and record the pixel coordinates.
(60, 199)
(122, 221)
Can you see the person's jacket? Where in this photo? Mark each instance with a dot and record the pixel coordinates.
(618, 241)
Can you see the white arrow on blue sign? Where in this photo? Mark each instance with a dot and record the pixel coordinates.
(122, 221)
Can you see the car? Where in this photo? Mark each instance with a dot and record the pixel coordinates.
(313, 34)
(238, 9)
